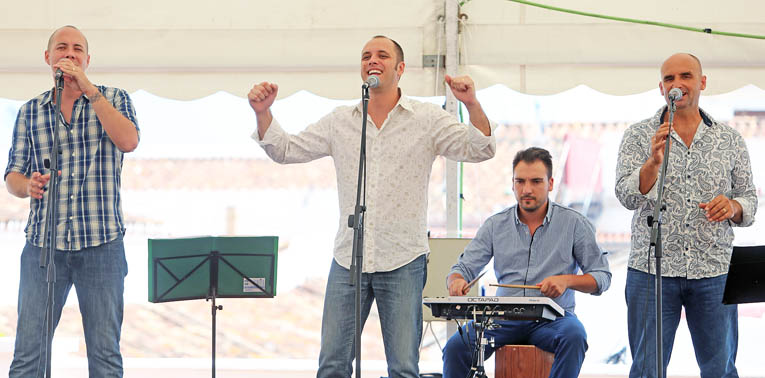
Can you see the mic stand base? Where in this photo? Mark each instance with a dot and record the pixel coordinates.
(478, 370)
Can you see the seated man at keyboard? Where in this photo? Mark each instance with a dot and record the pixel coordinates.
(539, 243)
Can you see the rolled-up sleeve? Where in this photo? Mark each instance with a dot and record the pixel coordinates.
(743, 189)
(633, 153)
(591, 259)
(310, 144)
(461, 142)
(19, 154)
(122, 102)
(477, 254)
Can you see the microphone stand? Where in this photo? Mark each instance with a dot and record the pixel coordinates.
(655, 222)
(356, 221)
(48, 250)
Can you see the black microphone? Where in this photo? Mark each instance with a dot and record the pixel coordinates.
(59, 74)
(372, 82)
(675, 94)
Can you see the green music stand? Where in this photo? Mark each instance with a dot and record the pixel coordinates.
(212, 267)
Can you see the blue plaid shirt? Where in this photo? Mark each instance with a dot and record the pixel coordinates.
(89, 202)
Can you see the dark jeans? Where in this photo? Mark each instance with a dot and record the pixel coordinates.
(564, 336)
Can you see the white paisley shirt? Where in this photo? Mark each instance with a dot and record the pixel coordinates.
(400, 156)
(717, 162)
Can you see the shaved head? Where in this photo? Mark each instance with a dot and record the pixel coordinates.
(53, 36)
(683, 56)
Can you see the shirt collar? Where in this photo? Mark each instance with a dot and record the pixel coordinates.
(548, 214)
(662, 113)
(403, 101)
(47, 97)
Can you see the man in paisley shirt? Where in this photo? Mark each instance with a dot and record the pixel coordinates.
(708, 191)
(404, 137)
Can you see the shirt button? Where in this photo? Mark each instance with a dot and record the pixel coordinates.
(70, 218)
(689, 176)
(688, 200)
(72, 174)
(687, 225)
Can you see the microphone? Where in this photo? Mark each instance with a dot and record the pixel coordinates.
(675, 94)
(372, 82)
(59, 74)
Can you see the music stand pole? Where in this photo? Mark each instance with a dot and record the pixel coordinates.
(655, 222)
(214, 255)
(48, 250)
(356, 221)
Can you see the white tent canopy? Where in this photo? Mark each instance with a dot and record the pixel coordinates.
(187, 50)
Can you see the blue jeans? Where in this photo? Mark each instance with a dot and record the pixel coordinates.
(564, 336)
(98, 275)
(713, 326)
(399, 302)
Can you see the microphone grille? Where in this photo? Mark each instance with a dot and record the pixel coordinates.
(373, 81)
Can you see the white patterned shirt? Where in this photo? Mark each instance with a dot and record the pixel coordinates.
(400, 156)
(717, 162)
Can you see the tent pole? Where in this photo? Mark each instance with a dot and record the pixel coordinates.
(451, 10)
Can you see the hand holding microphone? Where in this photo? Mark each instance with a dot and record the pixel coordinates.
(661, 137)
(74, 76)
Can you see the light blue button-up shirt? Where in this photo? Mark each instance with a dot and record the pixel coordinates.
(564, 244)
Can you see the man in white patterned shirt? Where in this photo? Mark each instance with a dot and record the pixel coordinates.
(98, 126)
(404, 137)
(708, 190)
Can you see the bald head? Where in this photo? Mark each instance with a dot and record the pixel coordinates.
(689, 60)
(55, 33)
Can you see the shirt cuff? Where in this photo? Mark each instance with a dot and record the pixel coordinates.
(477, 138)
(602, 280)
(272, 136)
(633, 183)
(458, 271)
(747, 207)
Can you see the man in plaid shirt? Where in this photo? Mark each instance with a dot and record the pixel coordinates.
(98, 126)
